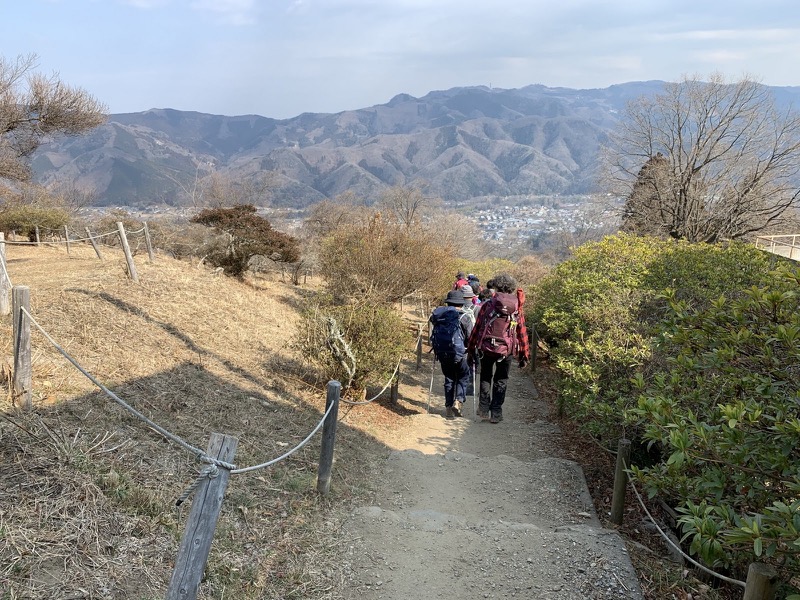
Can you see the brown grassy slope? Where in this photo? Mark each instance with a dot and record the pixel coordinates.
(87, 491)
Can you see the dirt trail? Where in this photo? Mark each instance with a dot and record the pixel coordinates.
(468, 509)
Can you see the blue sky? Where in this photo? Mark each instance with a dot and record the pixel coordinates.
(280, 58)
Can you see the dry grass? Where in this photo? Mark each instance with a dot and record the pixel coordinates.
(87, 493)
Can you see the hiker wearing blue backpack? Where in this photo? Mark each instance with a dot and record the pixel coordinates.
(452, 327)
(498, 337)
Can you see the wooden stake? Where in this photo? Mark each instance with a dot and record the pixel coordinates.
(94, 244)
(620, 480)
(199, 532)
(21, 296)
(127, 249)
(328, 438)
(760, 584)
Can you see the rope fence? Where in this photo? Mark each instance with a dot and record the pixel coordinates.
(69, 241)
(211, 482)
(379, 394)
(677, 548)
(200, 454)
(761, 577)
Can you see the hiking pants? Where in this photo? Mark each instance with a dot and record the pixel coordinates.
(494, 379)
(456, 377)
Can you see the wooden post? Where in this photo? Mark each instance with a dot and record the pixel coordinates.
(620, 480)
(419, 346)
(94, 244)
(36, 230)
(21, 296)
(395, 391)
(66, 237)
(328, 438)
(148, 242)
(305, 276)
(5, 280)
(199, 532)
(760, 584)
(127, 249)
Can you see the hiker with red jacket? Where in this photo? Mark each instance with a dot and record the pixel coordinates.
(498, 337)
(461, 280)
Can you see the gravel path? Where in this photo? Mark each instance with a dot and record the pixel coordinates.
(470, 509)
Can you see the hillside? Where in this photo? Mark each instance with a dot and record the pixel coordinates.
(87, 500)
(462, 142)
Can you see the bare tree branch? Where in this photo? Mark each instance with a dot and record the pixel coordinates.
(704, 161)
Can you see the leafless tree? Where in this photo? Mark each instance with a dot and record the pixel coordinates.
(406, 205)
(704, 161)
(34, 106)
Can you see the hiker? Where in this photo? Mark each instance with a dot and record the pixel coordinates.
(475, 283)
(461, 279)
(469, 294)
(498, 337)
(476, 286)
(470, 313)
(452, 327)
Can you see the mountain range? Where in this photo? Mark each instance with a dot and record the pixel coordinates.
(460, 143)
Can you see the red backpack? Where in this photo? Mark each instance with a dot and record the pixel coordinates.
(498, 337)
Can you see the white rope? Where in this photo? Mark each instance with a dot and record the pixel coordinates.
(200, 454)
(378, 395)
(94, 237)
(290, 452)
(671, 543)
(209, 471)
(388, 383)
(71, 240)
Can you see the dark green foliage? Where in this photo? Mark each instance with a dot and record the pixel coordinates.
(247, 235)
(726, 412)
(694, 349)
(23, 219)
(599, 311)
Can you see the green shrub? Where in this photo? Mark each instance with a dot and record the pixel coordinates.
(599, 310)
(245, 234)
(357, 343)
(726, 413)
(24, 218)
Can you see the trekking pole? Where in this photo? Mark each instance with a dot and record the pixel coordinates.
(474, 395)
(430, 389)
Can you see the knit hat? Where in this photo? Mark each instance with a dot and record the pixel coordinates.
(467, 291)
(454, 298)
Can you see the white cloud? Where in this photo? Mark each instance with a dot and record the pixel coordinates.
(233, 12)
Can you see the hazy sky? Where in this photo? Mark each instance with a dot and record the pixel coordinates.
(279, 58)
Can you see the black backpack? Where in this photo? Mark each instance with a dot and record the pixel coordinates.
(447, 338)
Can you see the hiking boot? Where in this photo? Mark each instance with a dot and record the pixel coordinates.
(483, 414)
(496, 417)
(457, 405)
(449, 412)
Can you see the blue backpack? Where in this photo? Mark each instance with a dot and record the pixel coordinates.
(447, 338)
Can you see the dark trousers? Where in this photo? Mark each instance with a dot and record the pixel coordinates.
(456, 377)
(494, 380)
